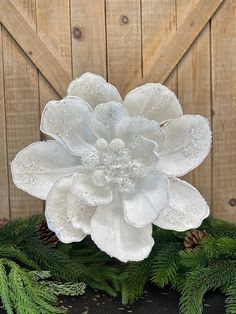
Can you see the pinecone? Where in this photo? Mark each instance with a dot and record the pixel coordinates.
(3, 222)
(193, 238)
(44, 234)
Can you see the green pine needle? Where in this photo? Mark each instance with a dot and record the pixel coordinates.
(33, 274)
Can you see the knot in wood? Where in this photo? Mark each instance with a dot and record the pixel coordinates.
(124, 19)
(77, 33)
(232, 202)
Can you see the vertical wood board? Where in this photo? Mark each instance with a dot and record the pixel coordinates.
(224, 111)
(123, 20)
(194, 91)
(4, 185)
(53, 27)
(88, 37)
(158, 25)
(22, 108)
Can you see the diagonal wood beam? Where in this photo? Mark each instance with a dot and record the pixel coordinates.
(163, 62)
(33, 46)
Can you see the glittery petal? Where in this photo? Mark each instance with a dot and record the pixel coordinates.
(67, 121)
(79, 213)
(150, 197)
(105, 118)
(187, 208)
(94, 89)
(130, 127)
(116, 237)
(56, 212)
(187, 143)
(145, 150)
(154, 101)
(88, 192)
(37, 167)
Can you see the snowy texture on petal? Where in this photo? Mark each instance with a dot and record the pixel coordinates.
(67, 121)
(150, 197)
(94, 89)
(155, 101)
(79, 213)
(187, 208)
(187, 143)
(144, 149)
(116, 237)
(37, 167)
(59, 198)
(88, 192)
(129, 127)
(105, 118)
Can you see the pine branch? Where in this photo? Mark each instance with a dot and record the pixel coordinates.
(165, 264)
(11, 252)
(4, 289)
(27, 294)
(134, 279)
(230, 302)
(199, 281)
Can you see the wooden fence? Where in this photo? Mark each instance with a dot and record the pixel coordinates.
(188, 44)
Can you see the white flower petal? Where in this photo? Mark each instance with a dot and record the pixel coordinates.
(94, 89)
(67, 121)
(187, 208)
(144, 149)
(37, 167)
(56, 212)
(150, 197)
(116, 237)
(187, 143)
(155, 101)
(130, 127)
(79, 213)
(88, 192)
(105, 118)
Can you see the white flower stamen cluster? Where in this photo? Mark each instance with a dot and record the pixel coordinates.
(112, 163)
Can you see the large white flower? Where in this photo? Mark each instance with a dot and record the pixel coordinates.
(112, 172)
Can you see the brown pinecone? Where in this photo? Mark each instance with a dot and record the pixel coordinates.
(193, 238)
(3, 222)
(44, 234)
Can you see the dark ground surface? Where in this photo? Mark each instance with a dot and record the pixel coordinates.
(154, 301)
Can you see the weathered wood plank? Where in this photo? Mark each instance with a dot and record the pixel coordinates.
(22, 108)
(88, 37)
(158, 25)
(224, 109)
(165, 61)
(53, 28)
(194, 90)
(36, 50)
(4, 185)
(123, 42)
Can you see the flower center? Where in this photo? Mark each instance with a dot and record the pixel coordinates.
(113, 163)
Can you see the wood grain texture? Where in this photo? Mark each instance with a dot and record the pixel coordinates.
(194, 90)
(22, 108)
(4, 185)
(123, 42)
(224, 109)
(164, 61)
(158, 25)
(36, 50)
(88, 37)
(130, 42)
(53, 28)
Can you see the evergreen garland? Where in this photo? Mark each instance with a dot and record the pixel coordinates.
(33, 274)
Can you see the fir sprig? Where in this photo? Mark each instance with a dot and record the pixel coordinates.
(33, 274)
